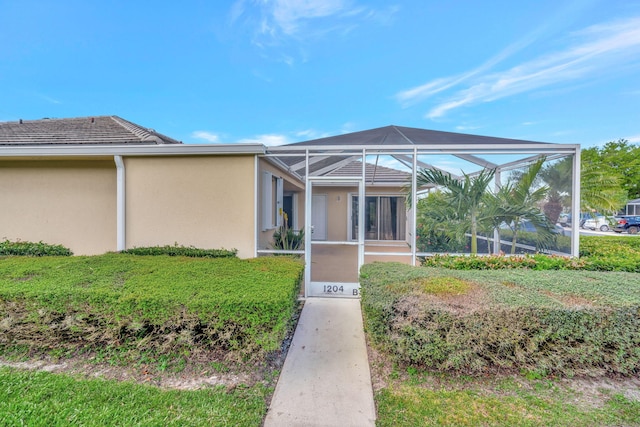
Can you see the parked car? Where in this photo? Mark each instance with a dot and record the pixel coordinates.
(565, 219)
(526, 225)
(628, 223)
(602, 223)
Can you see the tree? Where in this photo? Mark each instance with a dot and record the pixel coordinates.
(559, 177)
(610, 175)
(600, 189)
(623, 159)
(465, 196)
(518, 200)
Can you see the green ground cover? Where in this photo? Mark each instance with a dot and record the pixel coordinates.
(597, 253)
(45, 399)
(551, 322)
(240, 309)
(454, 401)
(506, 345)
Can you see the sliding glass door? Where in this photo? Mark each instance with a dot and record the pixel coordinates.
(384, 218)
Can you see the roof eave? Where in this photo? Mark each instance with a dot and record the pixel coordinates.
(136, 150)
(450, 148)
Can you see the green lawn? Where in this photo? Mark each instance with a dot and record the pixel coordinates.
(165, 315)
(406, 403)
(45, 399)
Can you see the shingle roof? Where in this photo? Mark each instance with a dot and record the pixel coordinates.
(100, 130)
(400, 135)
(373, 173)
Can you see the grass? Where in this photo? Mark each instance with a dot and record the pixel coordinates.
(45, 399)
(404, 298)
(408, 404)
(517, 287)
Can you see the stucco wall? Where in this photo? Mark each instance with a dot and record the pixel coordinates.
(205, 201)
(68, 202)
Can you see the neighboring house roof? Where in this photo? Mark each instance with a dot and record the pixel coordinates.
(633, 202)
(400, 135)
(99, 130)
(373, 173)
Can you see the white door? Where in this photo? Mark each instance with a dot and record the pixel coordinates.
(319, 217)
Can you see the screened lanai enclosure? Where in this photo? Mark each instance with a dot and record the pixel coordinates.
(401, 194)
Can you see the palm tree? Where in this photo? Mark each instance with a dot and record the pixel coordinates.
(600, 187)
(518, 200)
(600, 190)
(558, 176)
(466, 196)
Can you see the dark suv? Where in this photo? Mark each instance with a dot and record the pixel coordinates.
(628, 223)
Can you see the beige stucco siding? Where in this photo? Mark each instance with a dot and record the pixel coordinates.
(68, 202)
(205, 201)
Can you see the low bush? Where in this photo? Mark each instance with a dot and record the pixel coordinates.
(611, 253)
(234, 309)
(499, 262)
(188, 251)
(597, 253)
(552, 322)
(19, 248)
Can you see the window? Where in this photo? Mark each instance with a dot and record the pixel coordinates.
(384, 218)
(289, 207)
(272, 187)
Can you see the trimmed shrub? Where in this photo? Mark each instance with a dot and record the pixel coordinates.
(597, 253)
(230, 309)
(499, 262)
(19, 248)
(188, 251)
(551, 322)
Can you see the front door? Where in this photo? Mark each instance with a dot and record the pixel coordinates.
(333, 259)
(319, 217)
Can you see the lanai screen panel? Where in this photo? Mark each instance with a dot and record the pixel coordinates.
(508, 216)
(509, 208)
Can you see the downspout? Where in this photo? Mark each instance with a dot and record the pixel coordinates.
(120, 204)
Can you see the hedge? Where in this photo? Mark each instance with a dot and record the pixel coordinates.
(20, 248)
(176, 250)
(551, 322)
(597, 253)
(233, 309)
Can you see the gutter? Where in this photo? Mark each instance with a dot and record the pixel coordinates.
(130, 150)
(120, 204)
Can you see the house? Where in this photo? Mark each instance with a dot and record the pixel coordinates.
(632, 207)
(99, 184)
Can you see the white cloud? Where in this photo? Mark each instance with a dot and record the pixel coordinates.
(267, 139)
(206, 136)
(48, 99)
(633, 139)
(595, 51)
(463, 128)
(288, 24)
(289, 15)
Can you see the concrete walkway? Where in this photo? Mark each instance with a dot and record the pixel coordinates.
(325, 380)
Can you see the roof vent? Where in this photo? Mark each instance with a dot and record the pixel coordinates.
(93, 119)
(20, 121)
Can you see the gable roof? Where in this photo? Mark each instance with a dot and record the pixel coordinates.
(99, 130)
(400, 135)
(374, 173)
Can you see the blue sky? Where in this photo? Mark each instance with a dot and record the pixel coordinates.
(277, 71)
